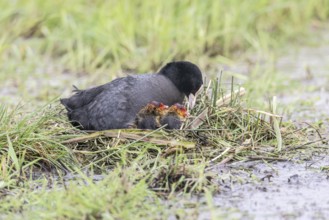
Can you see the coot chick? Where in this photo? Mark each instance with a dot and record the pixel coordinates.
(174, 117)
(149, 116)
(115, 104)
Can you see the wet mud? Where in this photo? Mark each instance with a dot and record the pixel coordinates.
(280, 190)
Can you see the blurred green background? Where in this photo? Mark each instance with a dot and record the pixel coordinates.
(46, 46)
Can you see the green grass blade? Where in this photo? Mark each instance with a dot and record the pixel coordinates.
(12, 154)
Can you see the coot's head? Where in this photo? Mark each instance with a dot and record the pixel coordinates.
(185, 75)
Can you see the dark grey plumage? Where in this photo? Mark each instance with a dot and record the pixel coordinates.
(171, 122)
(115, 104)
(148, 122)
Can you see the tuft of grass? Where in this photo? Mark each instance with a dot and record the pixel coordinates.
(33, 140)
(118, 196)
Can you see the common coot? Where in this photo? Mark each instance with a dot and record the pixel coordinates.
(115, 104)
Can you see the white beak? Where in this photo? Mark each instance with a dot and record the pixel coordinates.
(191, 100)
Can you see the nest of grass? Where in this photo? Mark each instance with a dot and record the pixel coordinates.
(210, 131)
(220, 130)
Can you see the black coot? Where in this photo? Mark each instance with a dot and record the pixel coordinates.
(115, 104)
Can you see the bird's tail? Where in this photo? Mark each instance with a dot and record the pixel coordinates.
(65, 103)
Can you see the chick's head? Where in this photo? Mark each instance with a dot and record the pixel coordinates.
(179, 110)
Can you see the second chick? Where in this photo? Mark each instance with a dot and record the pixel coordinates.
(174, 116)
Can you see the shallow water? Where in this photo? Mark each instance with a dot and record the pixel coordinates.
(282, 190)
(310, 67)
